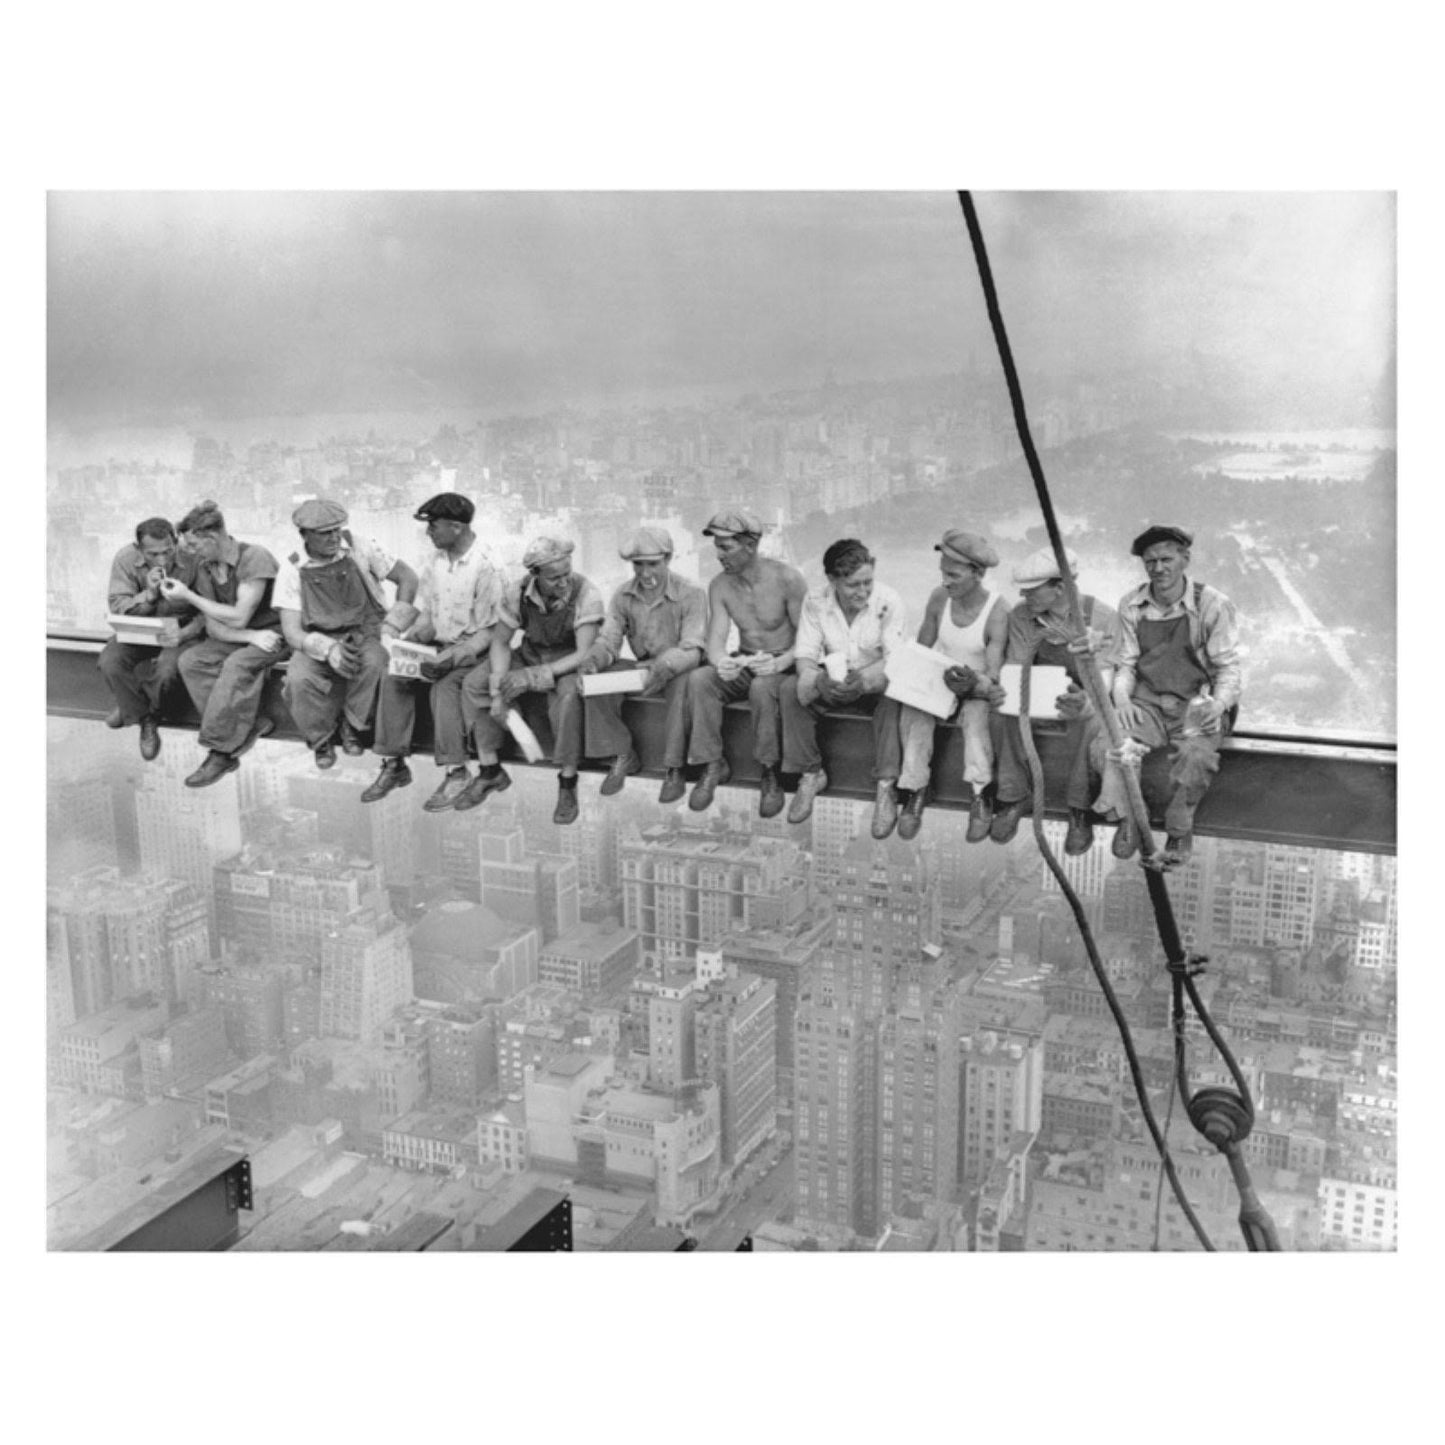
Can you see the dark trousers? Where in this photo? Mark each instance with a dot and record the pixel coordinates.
(318, 696)
(709, 694)
(1011, 761)
(608, 736)
(140, 677)
(396, 717)
(800, 731)
(562, 708)
(1195, 760)
(226, 681)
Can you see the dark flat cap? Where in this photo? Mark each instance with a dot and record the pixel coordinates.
(446, 507)
(1151, 535)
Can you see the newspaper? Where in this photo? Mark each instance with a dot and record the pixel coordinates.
(405, 658)
(1046, 685)
(915, 677)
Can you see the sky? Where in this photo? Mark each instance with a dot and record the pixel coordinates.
(170, 304)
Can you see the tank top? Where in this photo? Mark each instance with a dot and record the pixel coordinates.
(965, 645)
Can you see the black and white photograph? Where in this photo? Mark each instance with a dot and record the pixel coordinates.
(721, 721)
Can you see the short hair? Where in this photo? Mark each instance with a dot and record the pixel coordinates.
(845, 557)
(155, 527)
(203, 517)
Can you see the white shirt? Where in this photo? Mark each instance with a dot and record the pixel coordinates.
(874, 633)
(457, 597)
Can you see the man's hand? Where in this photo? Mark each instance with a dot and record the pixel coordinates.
(513, 685)
(174, 591)
(1130, 718)
(435, 668)
(764, 664)
(729, 668)
(1074, 703)
(992, 692)
(657, 679)
(1210, 720)
(170, 633)
(961, 681)
(344, 659)
(265, 638)
(1089, 644)
(588, 667)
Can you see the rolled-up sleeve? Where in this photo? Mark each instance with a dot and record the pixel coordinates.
(608, 647)
(1219, 630)
(1126, 648)
(809, 645)
(124, 592)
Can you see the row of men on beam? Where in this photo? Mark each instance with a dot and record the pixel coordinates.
(1168, 655)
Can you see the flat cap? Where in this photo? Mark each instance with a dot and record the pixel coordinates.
(542, 550)
(1042, 566)
(646, 544)
(967, 547)
(446, 507)
(318, 514)
(733, 524)
(1150, 535)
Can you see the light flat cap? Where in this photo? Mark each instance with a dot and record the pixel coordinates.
(1041, 567)
(542, 550)
(733, 524)
(318, 514)
(967, 547)
(647, 544)
(446, 507)
(1150, 535)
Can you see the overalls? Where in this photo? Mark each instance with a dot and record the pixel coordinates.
(336, 601)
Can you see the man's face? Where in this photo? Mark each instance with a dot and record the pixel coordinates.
(854, 590)
(650, 572)
(207, 545)
(960, 579)
(322, 542)
(552, 579)
(444, 534)
(1038, 600)
(1165, 563)
(734, 550)
(158, 552)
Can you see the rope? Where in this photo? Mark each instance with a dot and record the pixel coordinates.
(1036, 775)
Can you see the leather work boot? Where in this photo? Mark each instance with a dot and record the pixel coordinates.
(980, 814)
(566, 809)
(113, 718)
(394, 774)
(452, 787)
(771, 796)
(150, 739)
(1178, 850)
(910, 819)
(325, 754)
(215, 767)
(1126, 839)
(809, 786)
(674, 785)
(623, 767)
(1080, 837)
(477, 790)
(714, 775)
(351, 744)
(885, 811)
(1006, 820)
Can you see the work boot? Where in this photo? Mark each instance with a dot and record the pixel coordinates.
(478, 789)
(885, 811)
(1126, 839)
(452, 787)
(263, 729)
(215, 767)
(394, 774)
(1006, 820)
(1080, 837)
(623, 766)
(674, 785)
(1178, 849)
(714, 775)
(910, 817)
(325, 754)
(809, 786)
(770, 794)
(980, 814)
(351, 743)
(566, 809)
(114, 718)
(150, 739)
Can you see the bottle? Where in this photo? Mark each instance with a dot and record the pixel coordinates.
(1196, 714)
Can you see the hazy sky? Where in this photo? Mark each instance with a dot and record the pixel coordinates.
(257, 303)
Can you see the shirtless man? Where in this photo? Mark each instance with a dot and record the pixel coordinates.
(764, 599)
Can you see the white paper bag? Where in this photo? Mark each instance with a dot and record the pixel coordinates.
(1046, 686)
(516, 724)
(138, 631)
(915, 677)
(600, 684)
